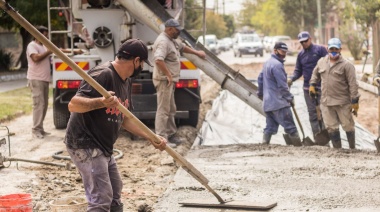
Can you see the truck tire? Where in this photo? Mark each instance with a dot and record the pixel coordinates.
(60, 117)
(192, 120)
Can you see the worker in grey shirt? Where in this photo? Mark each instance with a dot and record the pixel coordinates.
(166, 51)
(340, 96)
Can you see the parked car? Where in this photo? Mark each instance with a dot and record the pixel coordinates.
(211, 43)
(267, 42)
(283, 38)
(249, 43)
(223, 45)
(229, 41)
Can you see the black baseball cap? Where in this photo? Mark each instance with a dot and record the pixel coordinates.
(135, 48)
(281, 45)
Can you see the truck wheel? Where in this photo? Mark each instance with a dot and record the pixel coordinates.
(60, 117)
(192, 120)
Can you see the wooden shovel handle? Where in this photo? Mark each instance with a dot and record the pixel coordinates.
(24, 23)
(378, 109)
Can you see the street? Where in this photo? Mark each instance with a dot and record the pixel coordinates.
(12, 85)
(228, 58)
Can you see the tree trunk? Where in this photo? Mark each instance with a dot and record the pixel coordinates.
(26, 38)
(375, 43)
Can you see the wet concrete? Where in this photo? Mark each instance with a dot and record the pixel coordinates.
(298, 179)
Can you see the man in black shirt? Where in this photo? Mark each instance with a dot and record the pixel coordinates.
(95, 122)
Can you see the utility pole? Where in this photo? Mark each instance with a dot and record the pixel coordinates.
(320, 37)
(224, 9)
(204, 22)
(303, 15)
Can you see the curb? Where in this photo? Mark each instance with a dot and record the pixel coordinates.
(11, 77)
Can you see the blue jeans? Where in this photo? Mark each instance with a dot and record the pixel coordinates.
(311, 109)
(100, 176)
(281, 117)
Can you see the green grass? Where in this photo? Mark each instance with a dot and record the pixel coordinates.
(16, 102)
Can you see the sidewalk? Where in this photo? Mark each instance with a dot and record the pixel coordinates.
(12, 80)
(10, 76)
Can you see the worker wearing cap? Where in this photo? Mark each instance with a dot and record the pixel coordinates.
(38, 76)
(306, 61)
(340, 94)
(166, 51)
(277, 99)
(95, 123)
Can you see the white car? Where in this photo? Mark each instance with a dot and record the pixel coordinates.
(211, 43)
(248, 43)
(283, 38)
(228, 41)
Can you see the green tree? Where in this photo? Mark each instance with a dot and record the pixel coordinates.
(245, 15)
(299, 15)
(268, 18)
(193, 18)
(367, 13)
(215, 25)
(229, 20)
(35, 11)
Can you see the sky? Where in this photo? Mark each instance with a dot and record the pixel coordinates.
(230, 6)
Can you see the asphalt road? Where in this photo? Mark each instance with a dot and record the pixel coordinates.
(229, 58)
(12, 85)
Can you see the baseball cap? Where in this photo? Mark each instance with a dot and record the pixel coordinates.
(42, 28)
(334, 42)
(173, 23)
(136, 48)
(302, 36)
(281, 45)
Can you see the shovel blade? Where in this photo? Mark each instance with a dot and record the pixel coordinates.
(377, 144)
(288, 140)
(308, 142)
(322, 138)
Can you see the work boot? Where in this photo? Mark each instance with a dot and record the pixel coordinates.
(176, 140)
(351, 139)
(266, 139)
(296, 140)
(117, 208)
(335, 139)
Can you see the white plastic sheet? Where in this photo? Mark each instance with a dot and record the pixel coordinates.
(231, 121)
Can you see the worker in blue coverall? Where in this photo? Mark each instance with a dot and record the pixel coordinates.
(306, 61)
(277, 99)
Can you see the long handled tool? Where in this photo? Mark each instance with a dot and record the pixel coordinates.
(305, 141)
(377, 143)
(188, 167)
(182, 161)
(322, 137)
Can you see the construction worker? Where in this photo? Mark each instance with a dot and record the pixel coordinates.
(38, 76)
(277, 99)
(166, 51)
(376, 80)
(95, 123)
(306, 61)
(340, 96)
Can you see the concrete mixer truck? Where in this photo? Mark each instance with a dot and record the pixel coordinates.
(96, 28)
